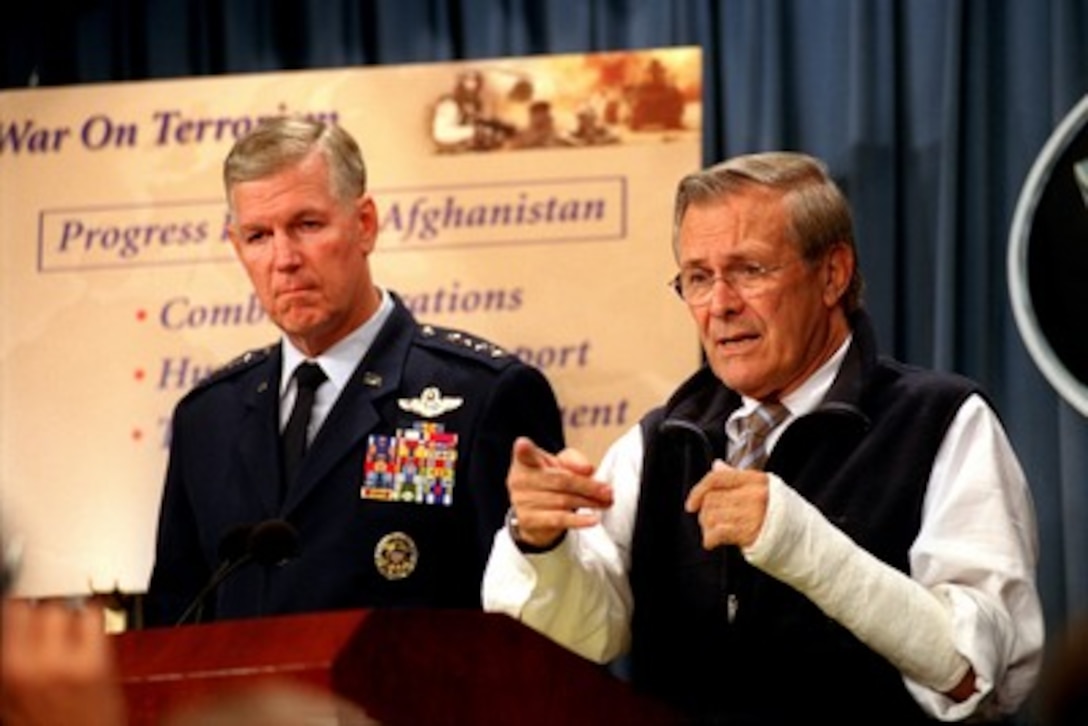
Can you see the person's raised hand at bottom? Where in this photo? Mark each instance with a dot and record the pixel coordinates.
(57, 666)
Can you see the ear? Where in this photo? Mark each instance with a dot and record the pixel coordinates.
(838, 271)
(366, 216)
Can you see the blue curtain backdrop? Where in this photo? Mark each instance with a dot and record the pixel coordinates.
(931, 112)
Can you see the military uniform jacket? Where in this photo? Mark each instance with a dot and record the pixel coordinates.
(354, 550)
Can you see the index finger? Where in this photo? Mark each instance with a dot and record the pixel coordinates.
(527, 453)
(565, 478)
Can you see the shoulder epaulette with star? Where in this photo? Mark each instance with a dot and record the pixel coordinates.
(465, 344)
(243, 362)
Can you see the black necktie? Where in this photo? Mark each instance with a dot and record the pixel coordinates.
(308, 376)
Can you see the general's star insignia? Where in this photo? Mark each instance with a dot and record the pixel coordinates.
(431, 403)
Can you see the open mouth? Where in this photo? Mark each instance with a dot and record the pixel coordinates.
(737, 339)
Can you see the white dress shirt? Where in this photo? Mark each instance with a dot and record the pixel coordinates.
(338, 362)
(978, 541)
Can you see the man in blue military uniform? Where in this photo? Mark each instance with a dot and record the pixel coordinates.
(386, 485)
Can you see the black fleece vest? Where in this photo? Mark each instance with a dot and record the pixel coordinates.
(863, 458)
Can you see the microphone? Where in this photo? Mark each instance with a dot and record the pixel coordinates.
(698, 457)
(233, 551)
(271, 542)
(234, 544)
(694, 447)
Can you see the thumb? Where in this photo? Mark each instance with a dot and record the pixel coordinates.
(575, 461)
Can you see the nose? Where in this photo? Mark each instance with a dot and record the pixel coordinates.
(285, 253)
(724, 298)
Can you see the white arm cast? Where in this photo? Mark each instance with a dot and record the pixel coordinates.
(895, 616)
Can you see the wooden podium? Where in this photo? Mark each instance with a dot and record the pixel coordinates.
(407, 667)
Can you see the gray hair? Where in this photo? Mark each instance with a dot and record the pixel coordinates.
(281, 142)
(819, 215)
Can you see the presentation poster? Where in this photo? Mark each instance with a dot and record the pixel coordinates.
(525, 200)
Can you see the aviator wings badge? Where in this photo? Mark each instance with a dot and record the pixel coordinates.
(431, 403)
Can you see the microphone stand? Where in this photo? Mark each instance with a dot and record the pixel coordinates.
(196, 607)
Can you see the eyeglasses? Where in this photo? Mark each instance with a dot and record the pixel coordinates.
(695, 286)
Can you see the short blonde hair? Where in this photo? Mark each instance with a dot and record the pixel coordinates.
(281, 142)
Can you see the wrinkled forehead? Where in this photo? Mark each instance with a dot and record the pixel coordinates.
(735, 223)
